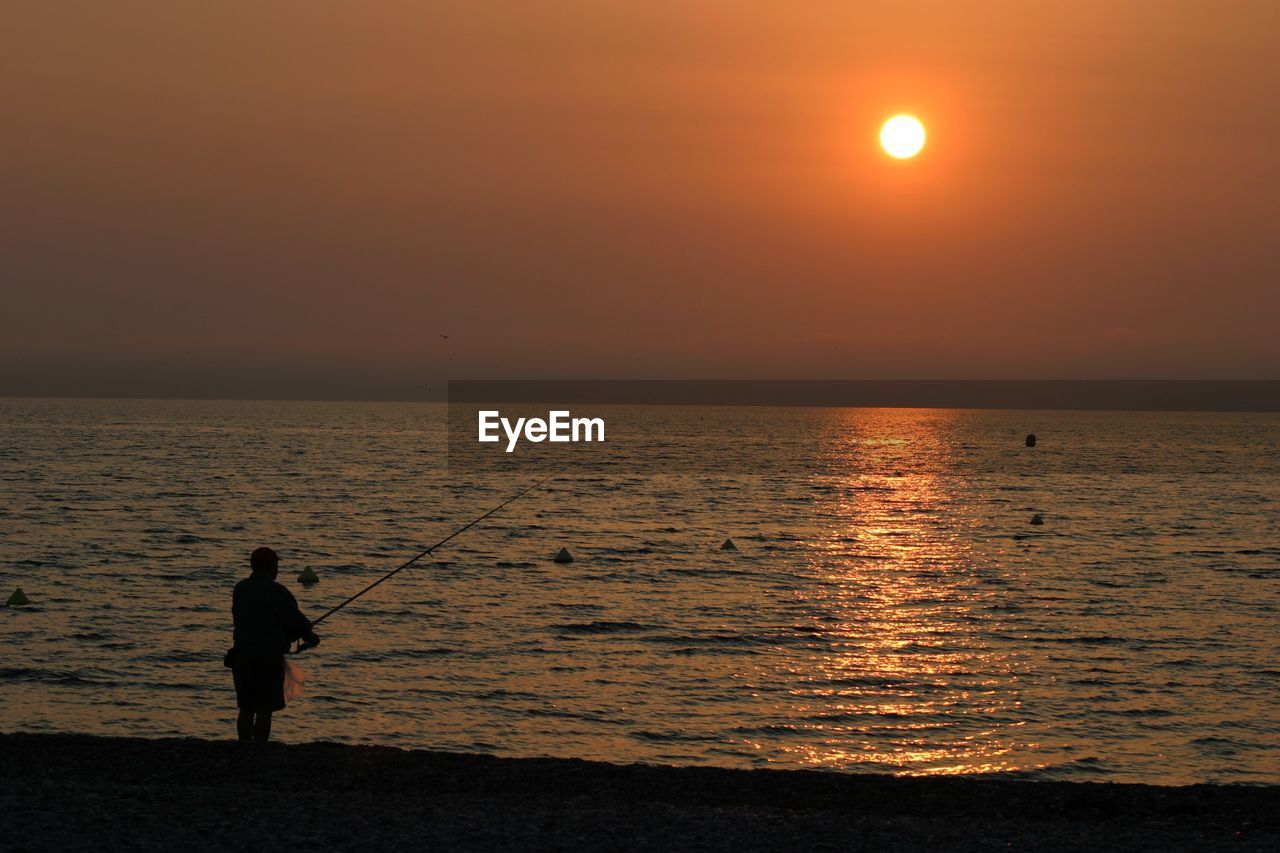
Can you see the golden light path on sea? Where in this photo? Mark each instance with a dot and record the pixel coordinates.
(906, 679)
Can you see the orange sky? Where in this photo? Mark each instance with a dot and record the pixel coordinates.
(295, 199)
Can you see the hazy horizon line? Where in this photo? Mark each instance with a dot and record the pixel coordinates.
(930, 393)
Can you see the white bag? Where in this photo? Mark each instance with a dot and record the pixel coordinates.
(293, 679)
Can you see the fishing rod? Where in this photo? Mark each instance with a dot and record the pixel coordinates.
(302, 647)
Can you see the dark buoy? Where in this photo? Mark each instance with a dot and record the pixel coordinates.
(307, 576)
(563, 556)
(18, 599)
(1031, 439)
(1037, 519)
(728, 546)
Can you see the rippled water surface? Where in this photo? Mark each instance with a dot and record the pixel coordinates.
(890, 607)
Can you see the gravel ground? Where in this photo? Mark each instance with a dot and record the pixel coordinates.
(75, 792)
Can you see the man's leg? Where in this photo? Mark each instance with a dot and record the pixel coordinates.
(244, 726)
(262, 727)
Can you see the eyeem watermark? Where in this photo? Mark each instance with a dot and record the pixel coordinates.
(559, 427)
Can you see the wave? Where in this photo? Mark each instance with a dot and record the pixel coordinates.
(1076, 769)
(667, 737)
(601, 627)
(52, 676)
(1092, 640)
(725, 641)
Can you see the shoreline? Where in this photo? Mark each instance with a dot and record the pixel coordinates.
(66, 791)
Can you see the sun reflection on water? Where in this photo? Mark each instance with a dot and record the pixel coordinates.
(903, 677)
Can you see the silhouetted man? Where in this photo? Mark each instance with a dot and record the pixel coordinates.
(267, 619)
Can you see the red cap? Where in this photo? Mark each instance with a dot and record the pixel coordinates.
(263, 558)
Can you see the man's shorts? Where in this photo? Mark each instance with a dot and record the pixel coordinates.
(259, 681)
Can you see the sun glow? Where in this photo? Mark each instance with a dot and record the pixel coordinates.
(902, 136)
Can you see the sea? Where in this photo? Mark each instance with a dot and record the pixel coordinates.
(890, 606)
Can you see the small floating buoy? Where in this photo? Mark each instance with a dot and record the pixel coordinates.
(18, 599)
(1031, 439)
(728, 546)
(1037, 519)
(563, 556)
(307, 575)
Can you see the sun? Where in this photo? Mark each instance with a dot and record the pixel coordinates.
(902, 136)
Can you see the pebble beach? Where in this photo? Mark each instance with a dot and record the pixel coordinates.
(78, 792)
